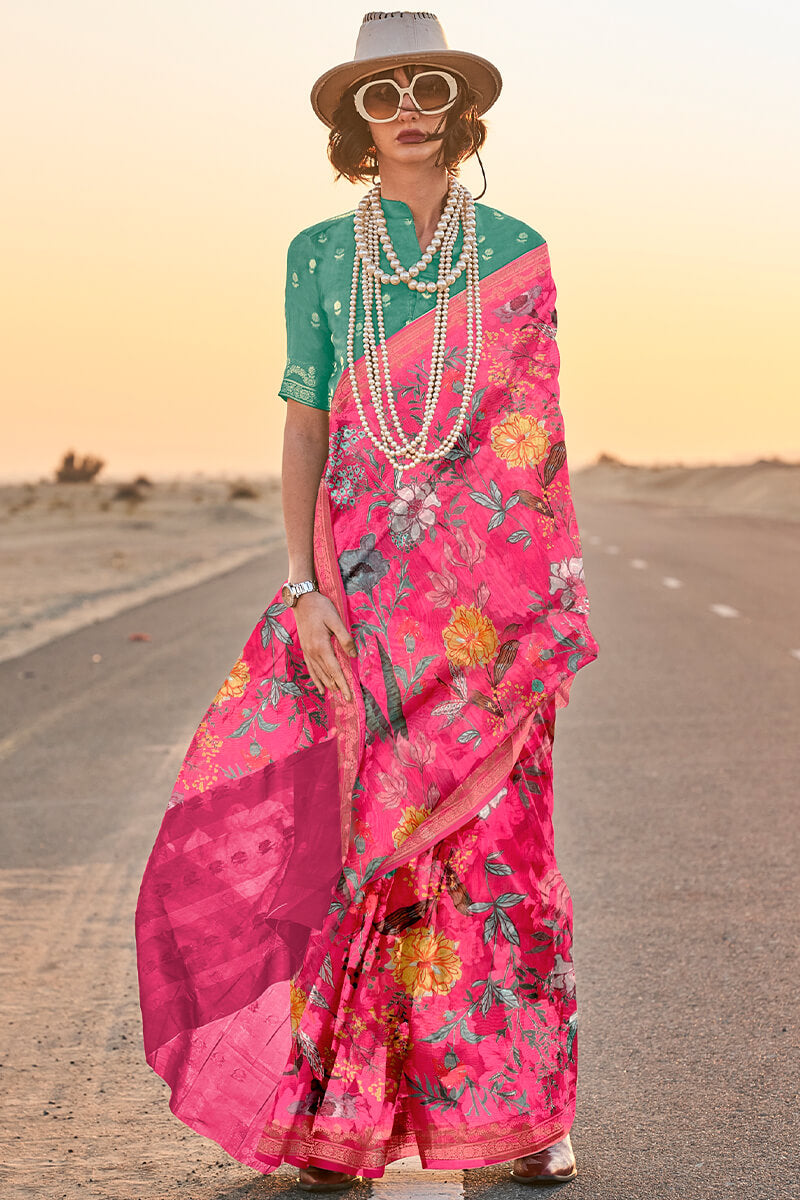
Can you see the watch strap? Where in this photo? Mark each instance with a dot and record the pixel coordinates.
(304, 585)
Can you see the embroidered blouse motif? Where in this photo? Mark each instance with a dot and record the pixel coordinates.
(319, 273)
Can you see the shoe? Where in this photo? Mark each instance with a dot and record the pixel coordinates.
(317, 1179)
(555, 1164)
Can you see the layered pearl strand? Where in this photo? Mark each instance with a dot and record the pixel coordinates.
(371, 237)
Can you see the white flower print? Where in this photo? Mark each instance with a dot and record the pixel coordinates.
(567, 576)
(411, 514)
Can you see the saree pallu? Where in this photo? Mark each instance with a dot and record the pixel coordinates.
(353, 939)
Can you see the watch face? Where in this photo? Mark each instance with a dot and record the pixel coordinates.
(288, 597)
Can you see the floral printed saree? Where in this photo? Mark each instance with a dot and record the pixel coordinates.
(354, 942)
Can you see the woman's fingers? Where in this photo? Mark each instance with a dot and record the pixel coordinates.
(330, 670)
(340, 631)
(316, 623)
(346, 640)
(326, 673)
(315, 679)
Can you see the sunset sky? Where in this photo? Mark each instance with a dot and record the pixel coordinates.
(158, 157)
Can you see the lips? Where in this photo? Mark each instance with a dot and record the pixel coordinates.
(410, 135)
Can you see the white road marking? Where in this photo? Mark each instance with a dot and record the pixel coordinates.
(612, 549)
(639, 563)
(724, 610)
(795, 653)
(406, 1180)
(671, 582)
(594, 540)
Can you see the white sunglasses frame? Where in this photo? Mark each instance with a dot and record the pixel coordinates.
(358, 98)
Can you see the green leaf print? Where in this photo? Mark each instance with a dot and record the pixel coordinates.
(572, 1029)
(438, 1035)
(376, 721)
(243, 728)
(507, 996)
(498, 868)
(508, 927)
(434, 1094)
(560, 637)
(393, 699)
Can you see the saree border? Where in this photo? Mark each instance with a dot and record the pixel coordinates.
(465, 800)
(349, 719)
(537, 260)
(489, 1144)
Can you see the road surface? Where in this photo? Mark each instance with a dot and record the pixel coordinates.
(676, 771)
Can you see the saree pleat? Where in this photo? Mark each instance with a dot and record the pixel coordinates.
(353, 939)
(401, 1034)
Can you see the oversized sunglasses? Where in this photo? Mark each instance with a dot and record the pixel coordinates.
(430, 92)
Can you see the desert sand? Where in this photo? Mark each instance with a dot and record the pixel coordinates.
(72, 554)
(767, 487)
(75, 553)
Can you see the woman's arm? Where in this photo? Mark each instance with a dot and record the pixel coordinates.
(305, 449)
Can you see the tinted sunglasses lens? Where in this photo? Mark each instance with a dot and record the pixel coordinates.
(381, 100)
(431, 91)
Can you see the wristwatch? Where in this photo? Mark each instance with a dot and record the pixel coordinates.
(290, 591)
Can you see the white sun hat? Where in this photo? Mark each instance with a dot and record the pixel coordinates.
(390, 39)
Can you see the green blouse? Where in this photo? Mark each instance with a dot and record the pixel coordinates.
(319, 275)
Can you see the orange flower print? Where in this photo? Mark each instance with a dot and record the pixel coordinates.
(297, 1005)
(520, 440)
(236, 682)
(208, 744)
(470, 638)
(425, 963)
(411, 819)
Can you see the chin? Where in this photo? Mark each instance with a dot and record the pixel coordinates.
(416, 152)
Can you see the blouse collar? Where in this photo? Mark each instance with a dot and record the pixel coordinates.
(404, 236)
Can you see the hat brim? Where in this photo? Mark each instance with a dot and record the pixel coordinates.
(481, 75)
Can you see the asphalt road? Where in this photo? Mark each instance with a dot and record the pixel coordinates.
(676, 774)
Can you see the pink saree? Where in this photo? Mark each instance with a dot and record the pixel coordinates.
(353, 938)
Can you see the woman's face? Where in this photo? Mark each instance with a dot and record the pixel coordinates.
(401, 140)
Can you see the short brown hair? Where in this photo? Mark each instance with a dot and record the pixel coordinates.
(351, 150)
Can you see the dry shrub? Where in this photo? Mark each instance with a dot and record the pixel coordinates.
(129, 492)
(78, 470)
(241, 490)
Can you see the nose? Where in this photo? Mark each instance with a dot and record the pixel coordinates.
(407, 106)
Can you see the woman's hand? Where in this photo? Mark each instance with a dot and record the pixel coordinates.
(305, 451)
(317, 619)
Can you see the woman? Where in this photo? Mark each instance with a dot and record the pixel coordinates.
(353, 937)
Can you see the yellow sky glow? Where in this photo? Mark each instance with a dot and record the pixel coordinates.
(163, 155)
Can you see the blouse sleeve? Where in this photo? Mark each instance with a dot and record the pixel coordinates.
(309, 347)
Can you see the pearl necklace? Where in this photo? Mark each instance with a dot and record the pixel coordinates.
(371, 237)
